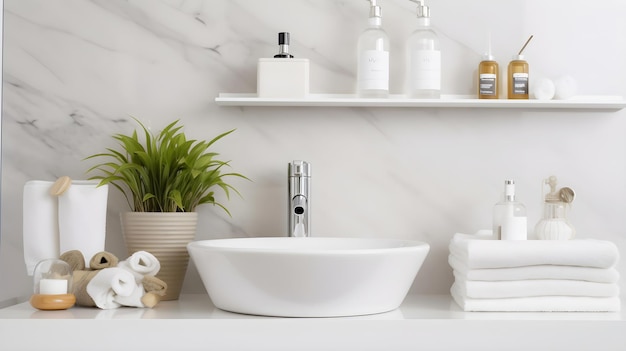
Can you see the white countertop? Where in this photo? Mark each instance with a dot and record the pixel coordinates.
(425, 322)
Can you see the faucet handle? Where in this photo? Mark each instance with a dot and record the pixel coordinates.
(299, 168)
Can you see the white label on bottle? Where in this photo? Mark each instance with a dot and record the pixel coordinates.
(520, 83)
(426, 70)
(487, 84)
(515, 228)
(374, 70)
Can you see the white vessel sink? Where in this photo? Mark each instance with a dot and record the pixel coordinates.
(307, 277)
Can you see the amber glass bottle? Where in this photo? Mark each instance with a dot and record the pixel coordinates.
(518, 78)
(488, 78)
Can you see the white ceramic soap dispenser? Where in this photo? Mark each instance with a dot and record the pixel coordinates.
(423, 58)
(509, 216)
(283, 76)
(373, 57)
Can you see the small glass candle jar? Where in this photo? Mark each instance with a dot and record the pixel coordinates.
(52, 285)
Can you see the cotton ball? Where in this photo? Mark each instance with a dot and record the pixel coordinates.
(566, 87)
(542, 89)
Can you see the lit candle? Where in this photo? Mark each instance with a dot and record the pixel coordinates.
(53, 286)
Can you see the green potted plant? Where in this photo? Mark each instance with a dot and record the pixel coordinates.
(164, 177)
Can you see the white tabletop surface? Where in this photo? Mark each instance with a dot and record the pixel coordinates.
(427, 322)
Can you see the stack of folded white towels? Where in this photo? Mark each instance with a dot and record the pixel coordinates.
(534, 275)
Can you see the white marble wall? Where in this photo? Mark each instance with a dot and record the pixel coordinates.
(75, 70)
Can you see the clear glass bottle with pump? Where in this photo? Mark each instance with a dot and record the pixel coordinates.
(423, 58)
(373, 57)
(509, 216)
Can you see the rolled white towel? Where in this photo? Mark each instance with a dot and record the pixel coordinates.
(132, 300)
(536, 287)
(109, 283)
(140, 264)
(479, 251)
(544, 271)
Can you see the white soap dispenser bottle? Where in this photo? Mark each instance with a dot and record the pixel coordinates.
(373, 57)
(423, 58)
(509, 216)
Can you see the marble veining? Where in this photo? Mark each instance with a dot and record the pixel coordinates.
(76, 70)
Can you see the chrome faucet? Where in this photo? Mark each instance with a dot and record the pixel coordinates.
(299, 202)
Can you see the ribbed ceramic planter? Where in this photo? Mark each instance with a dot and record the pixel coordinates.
(165, 235)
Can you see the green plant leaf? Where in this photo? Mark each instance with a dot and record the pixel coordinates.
(166, 172)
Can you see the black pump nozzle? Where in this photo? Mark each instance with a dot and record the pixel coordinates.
(283, 45)
(283, 38)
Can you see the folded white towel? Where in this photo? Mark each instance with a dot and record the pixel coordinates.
(140, 264)
(39, 224)
(539, 287)
(82, 218)
(481, 252)
(537, 304)
(109, 283)
(598, 275)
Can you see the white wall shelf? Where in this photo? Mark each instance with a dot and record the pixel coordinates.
(598, 102)
(424, 322)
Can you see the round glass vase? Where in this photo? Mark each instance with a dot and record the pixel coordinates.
(554, 224)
